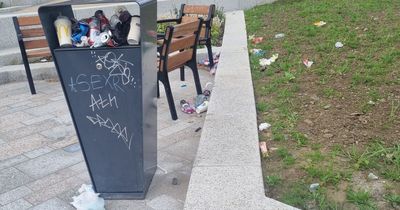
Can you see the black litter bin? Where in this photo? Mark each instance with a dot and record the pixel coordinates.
(111, 94)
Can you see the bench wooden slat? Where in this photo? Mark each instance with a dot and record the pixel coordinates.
(196, 9)
(178, 59)
(34, 32)
(182, 43)
(38, 53)
(185, 28)
(29, 21)
(32, 44)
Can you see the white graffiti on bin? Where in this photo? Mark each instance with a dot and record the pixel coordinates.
(115, 128)
(116, 67)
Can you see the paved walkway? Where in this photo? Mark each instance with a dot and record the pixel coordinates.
(41, 164)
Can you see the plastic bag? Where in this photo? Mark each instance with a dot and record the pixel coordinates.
(88, 199)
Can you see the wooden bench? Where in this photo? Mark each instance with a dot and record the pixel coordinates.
(32, 43)
(190, 13)
(178, 50)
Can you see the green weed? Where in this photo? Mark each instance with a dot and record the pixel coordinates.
(361, 198)
(273, 180)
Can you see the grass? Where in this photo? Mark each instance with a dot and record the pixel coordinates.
(362, 78)
(361, 198)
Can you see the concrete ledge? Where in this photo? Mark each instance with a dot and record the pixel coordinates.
(227, 170)
(15, 73)
(41, 71)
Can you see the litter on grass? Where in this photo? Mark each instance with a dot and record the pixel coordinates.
(264, 126)
(314, 187)
(257, 40)
(267, 62)
(320, 23)
(257, 52)
(279, 36)
(308, 63)
(372, 176)
(264, 149)
(251, 37)
(339, 45)
(88, 199)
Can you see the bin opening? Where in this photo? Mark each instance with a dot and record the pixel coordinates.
(120, 29)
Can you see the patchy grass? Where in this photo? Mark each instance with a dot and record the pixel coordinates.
(338, 121)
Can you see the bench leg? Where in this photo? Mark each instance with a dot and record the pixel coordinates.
(29, 76)
(210, 53)
(193, 66)
(170, 98)
(182, 73)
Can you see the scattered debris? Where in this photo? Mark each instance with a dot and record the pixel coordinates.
(88, 199)
(251, 37)
(43, 60)
(314, 187)
(308, 63)
(186, 108)
(327, 106)
(267, 62)
(320, 23)
(257, 40)
(264, 149)
(174, 181)
(183, 85)
(356, 114)
(372, 176)
(371, 103)
(257, 52)
(339, 45)
(264, 126)
(279, 36)
(198, 129)
(202, 108)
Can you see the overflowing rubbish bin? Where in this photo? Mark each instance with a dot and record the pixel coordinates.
(109, 80)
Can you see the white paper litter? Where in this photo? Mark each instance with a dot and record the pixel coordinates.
(264, 126)
(88, 199)
(339, 45)
(267, 62)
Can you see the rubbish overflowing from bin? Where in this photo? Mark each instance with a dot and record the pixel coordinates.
(121, 29)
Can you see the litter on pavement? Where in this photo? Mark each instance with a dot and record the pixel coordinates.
(88, 199)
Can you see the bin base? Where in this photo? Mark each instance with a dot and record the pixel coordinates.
(124, 196)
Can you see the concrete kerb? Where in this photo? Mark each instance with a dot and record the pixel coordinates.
(227, 170)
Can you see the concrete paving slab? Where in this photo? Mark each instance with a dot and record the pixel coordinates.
(14, 195)
(49, 163)
(12, 178)
(52, 204)
(20, 204)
